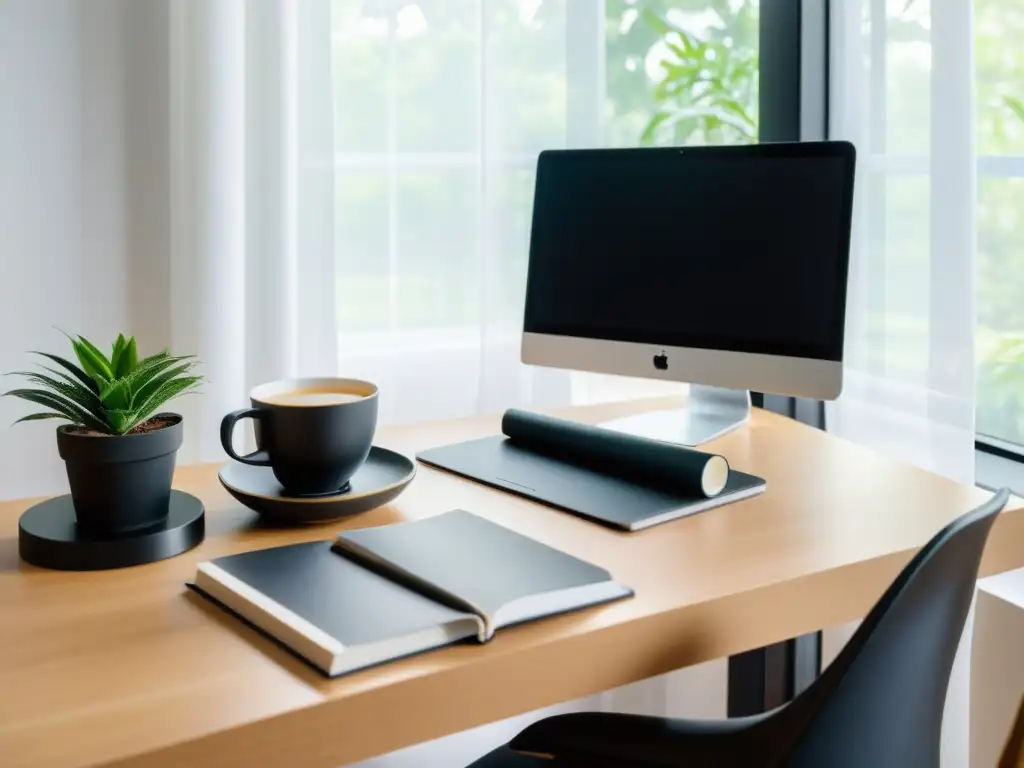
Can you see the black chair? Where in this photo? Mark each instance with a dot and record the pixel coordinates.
(878, 705)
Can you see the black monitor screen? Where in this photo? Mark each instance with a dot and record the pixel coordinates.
(733, 248)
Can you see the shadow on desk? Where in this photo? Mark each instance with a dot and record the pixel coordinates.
(240, 523)
(265, 644)
(10, 562)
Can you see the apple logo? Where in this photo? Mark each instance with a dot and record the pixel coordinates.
(661, 361)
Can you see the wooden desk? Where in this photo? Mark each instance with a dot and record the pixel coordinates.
(126, 668)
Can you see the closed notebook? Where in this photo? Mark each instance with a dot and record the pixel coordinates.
(383, 593)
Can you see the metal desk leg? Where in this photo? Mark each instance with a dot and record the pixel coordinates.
(768, 677)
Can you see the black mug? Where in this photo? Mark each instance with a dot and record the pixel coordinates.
(313, 433)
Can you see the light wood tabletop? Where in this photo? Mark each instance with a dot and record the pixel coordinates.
(129, 668)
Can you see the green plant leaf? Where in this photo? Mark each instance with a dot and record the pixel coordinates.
(662, 26)
(1015, 105)
(79, 374)
(677, 50)
(74, 413)
(115, 355)
(147, 379)
(41, 416)
(167, 392)
(711, 117)
(156, 363)
(734, 108)
(129, 359)
(93, 362)
(122, 421)
(651, 129)
(86, 395)
(109, 396)
(94, 349)
(116, 395)
(153, 387)
(162, 353)
(684, 45)
(706, 89)
(68, 388)
(663, 91)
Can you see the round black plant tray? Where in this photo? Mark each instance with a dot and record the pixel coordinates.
(48, 536)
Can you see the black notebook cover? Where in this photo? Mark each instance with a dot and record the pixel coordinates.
(614, 501)
(348, 602)
(489, 566)
(355, 605)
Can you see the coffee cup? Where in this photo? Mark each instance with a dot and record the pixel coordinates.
(313, 433)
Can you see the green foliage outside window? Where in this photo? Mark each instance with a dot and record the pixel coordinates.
(681, 71)
(999, 274)
(706, 89)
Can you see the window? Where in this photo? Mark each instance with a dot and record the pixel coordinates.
(924, 236)
(441, 107)
(681, 73)
(999, 56)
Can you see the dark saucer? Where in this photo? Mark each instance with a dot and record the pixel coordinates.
(48, 536)
(344, 489)
(382, 477)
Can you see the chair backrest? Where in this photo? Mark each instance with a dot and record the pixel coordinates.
(880, 702)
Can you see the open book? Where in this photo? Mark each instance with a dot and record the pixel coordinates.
(381, 593)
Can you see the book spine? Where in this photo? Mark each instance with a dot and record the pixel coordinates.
(346, 547)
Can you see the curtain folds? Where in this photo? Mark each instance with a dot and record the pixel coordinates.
(252, 199)
(168, 173)
(902, 91)
(288, 188)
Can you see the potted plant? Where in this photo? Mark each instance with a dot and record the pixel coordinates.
(118, 448)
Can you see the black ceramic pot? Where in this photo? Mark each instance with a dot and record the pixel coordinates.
(121, 483)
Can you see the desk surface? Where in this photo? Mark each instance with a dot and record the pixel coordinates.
(127, 667)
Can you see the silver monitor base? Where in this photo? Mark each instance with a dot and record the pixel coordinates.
(710, 413)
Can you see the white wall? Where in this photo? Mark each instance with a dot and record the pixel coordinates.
(80, 189)
(997, 662)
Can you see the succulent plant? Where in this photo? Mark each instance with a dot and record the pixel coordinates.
(112, 396)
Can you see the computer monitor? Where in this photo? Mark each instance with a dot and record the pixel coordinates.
(724, 267)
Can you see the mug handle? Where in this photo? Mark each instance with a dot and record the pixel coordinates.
(227, 429)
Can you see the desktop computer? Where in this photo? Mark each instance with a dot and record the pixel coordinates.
(722, 267)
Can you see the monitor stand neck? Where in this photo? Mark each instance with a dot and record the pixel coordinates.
(709, 413)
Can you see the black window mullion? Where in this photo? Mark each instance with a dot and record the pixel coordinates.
(792, 106)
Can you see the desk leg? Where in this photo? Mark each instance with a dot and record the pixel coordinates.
(768, 677)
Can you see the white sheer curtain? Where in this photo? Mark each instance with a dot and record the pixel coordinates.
(286, 188)
(440, 110)
(902, 89)
(252, 199)
(167, 173)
